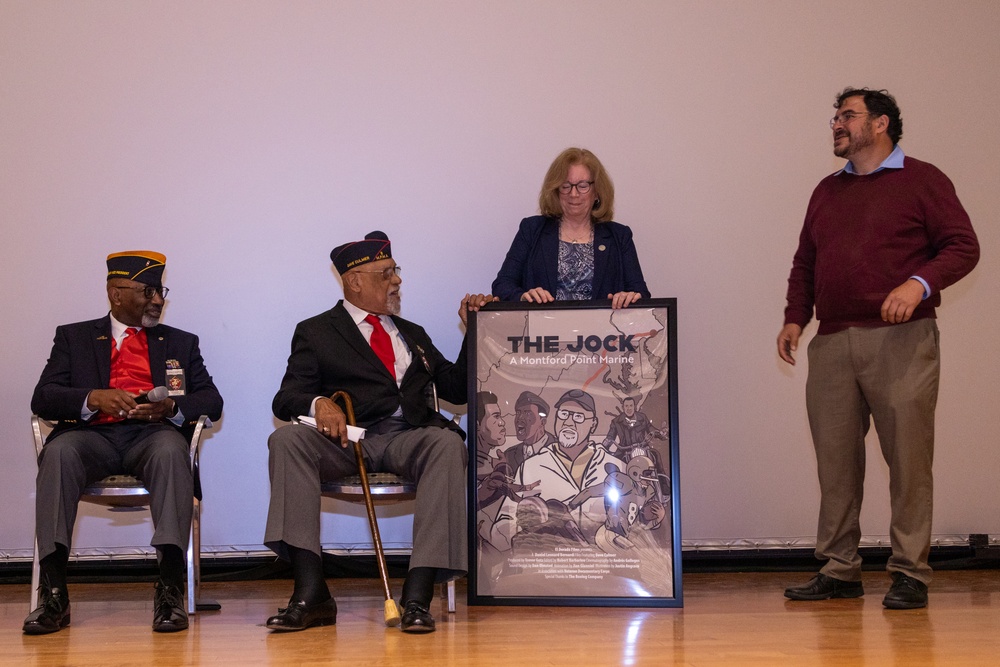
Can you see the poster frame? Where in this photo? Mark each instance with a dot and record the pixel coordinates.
(581, 597)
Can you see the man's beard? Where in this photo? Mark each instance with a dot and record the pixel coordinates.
(393, 304)
(856, 143)
(150, 321)
(568, 437)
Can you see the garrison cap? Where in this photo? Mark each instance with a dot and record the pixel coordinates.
(351, 255)
(143, 266)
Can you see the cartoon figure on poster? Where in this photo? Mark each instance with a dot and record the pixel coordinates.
(495, 476)
(591, 495)
(632, 432)
(636, 495)
(569, 473)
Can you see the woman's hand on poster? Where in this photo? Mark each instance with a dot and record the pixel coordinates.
(623, 299)
(538, 295)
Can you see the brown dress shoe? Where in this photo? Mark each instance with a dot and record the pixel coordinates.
(169, 614)
(298, 615)
(52, 614)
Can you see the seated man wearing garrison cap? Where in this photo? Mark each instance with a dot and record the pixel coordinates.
(96, 372)
(386, 364)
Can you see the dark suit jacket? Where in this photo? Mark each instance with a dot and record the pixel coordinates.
(533, 260)
(330, 354)
(81, 361)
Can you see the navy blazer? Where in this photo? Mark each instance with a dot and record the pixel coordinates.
(330, 354)
(533, 260)
(81, 361)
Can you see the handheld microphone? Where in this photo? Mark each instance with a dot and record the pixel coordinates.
(154, 395)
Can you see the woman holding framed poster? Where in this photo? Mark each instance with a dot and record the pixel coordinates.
(573, 251)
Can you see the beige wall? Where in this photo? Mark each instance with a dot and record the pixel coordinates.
(245, 139)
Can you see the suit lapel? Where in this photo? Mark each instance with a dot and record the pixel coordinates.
(602, 250)
(416, 350)
(102, 349)
(549, 241)
(344, 325)
(156, 339)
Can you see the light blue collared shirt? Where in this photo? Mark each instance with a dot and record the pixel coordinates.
(893, 161)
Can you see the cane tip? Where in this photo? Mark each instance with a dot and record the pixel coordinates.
(392, 615)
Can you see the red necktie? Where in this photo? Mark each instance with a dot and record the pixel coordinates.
(381, 344)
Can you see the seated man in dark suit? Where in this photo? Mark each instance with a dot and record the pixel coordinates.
(95, 385)
(387, 365)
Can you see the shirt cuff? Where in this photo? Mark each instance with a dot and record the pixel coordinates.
(178, 419)
(85, 412)
(927, 288)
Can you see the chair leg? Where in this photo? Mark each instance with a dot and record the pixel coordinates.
(193, 564)
(35, 578)
(194, 567)
(451, 596)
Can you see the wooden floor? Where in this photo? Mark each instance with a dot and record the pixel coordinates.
(727, 619)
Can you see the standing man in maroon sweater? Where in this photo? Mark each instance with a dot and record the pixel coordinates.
(882, 237)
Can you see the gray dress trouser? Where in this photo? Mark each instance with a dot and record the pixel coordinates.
(435, 458)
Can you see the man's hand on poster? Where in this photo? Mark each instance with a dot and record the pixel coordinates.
(473, 302)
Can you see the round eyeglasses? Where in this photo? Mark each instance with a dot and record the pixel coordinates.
(386, 273)
(583, 187)
(847, 117)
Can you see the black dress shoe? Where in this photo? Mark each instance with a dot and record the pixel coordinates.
(52, 614)
(822, 587)
(416, 618)
(169, 614)
(905, 593)
(298, 615)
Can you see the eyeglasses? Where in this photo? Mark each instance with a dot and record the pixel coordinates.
(148, 291)
(578, 417)
(583, 187)
(847, 117)
(386, 273)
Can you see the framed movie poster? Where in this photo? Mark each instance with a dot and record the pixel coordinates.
(573, 471)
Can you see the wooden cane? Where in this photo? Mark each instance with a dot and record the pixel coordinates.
(392, 614)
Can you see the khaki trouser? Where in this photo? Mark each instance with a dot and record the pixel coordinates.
(888, 375)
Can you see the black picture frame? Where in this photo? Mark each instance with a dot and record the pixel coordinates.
(610, 534)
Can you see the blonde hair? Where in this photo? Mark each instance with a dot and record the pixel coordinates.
(604, 189)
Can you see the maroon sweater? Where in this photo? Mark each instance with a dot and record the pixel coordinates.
(865, 235)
